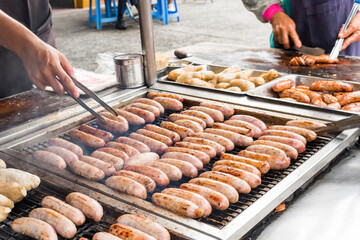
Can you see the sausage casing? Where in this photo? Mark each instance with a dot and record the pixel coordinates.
(141, 147)
(218, 148)
(146, 181)
(176, 116)
(238, 139)
(49, 158)
(185, 157)
(126, 185)
(263, 166)
(67, 145)
(227, 111)
(154, 145)
(175, 137)
(252, 179)
(227, 143)
(200, 155)
(106, 136)
(117, 162)
(89, 206)
(123, 231)
(157, 175)
(34, 228)
(308, 134)
(169, 103)
(182, 131)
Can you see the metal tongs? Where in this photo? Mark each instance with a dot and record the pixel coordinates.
(339, 43)
(341, 125)
(93, 96)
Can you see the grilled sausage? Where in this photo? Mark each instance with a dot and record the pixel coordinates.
(117, 162)
(335, 86)
(86, 139)
(116, 124)
(238, 139)
(196, 127)
(147, 107)
(309, 135)
(305, 124)
(176, 116)
(252, 179)
(299, 146)
(287, 134)
(199, 200)
(132, 118)
(173, 172)
(106, 136)
(239, 130)
(150, 156)
(226, 189)
(200, 147)
(227, 143)
(347, 98)
(161, 138)
(72, 213)
(328, 98)
(283, 85)
(67, 145)
(141, 147)
(157, 175)
(178, 205)
(218, 148)
(186, 168)
(169, 103)
(146, 115)
(240, 185)
(334, 105)
(126, 232)
(289, 150)
(89, 206)
(318, 102)
(266, 149)
(145, 225)
(239, 123)
(184, 157)
(217, 200)
(201, 115)
(154, 145)
(67, 155)
(126, 185)
(34, 228)
(227, 111)
(182, 131)
(239, 165)
(295, 94)
(49, 158)
(153, 95)
(175, 137)
(263, 166)
(216, 115)
(130, 151)
(62, 225)
(200, 155)
(310, 94)
(146, 181)
(276, 163)
(86, 170)
(355, 107)
(152, 103)
(107, 168)
(114, 152)
(250, 119)
(104, 236)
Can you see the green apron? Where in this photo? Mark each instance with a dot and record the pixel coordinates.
(286, 7)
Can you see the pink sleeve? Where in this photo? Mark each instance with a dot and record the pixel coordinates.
(270, 12)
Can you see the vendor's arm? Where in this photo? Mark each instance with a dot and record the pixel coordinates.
(352, 33)
(271, 11)
(42, 62)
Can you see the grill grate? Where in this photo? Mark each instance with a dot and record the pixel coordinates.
(220, 219)
(33, 200)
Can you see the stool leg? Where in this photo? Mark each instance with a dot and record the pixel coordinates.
(90, 12)
(164, 11)
(98, 14)
(107, 8)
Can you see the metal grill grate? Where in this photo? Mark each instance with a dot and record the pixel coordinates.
(220, 219)
(33, 200)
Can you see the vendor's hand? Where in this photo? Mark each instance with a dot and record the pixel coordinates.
(283, 27)
(44, 64)
(352, 33)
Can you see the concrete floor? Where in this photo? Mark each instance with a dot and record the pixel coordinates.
(223, 21)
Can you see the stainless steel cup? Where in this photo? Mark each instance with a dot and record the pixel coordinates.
(129, 70)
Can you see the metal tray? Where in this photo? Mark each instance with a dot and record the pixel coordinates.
(216, 69)
(265, 91)
(240, 217)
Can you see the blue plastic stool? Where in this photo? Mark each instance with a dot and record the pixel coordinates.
(162, 12)
(110, 14)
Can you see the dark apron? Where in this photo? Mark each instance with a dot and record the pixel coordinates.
(35, 15)
(318, 23)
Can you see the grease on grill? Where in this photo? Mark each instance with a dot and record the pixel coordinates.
(220, 219)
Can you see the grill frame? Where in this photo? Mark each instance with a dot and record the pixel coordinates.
(242, 223)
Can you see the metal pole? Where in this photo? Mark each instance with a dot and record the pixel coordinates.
(147, 41)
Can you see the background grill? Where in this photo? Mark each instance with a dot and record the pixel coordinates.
(218, 219)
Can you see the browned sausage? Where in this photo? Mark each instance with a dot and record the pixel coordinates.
(328, 98)
(276, 163)
(126, 232)
(187, 169)
(252, 179)
(182, 131)
(89, 206)
(67, 155)
(154, 145)
(106, 136)
(227, 111)
(34, 228)
(200, 147)
(250, 119)
(126, 185)
(347, 98)
(286, 134)
(156, 136)
(335, 86)
(66, 144)
(146, 115)
(238, 139)
(196, 127)
(86, 170)
(113, 126)
(107, 168)
(49, 158)
(175, 137)
(334, 105)
(240, 123)
(185, 157)
(289, 150)
(141, 147)
(218, 148)
(147, 107)
(200, 155)
(240, 130)
(130, 151)
(132, 118)
(169, 103)
(269, 150)
(157, 175)
(175, 116)
(318, 102)
(239, 165)
(117, 162)
(308, 134)
(213, 113)
(152, 103)
(295, 94)
(201, 115)
(305, 124)
(299, 146)
(227, 143)
(168, 95)
(263, 166)
(355, 107)
(146, 181)
(114, 152)
(86, 139)
(283, 85)
(309, 93)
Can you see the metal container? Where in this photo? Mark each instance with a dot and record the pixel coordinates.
(129, 70)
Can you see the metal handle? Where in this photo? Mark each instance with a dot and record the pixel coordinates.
(341, 125)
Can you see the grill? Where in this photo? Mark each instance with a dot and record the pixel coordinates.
(219, 219)
(33, 200)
